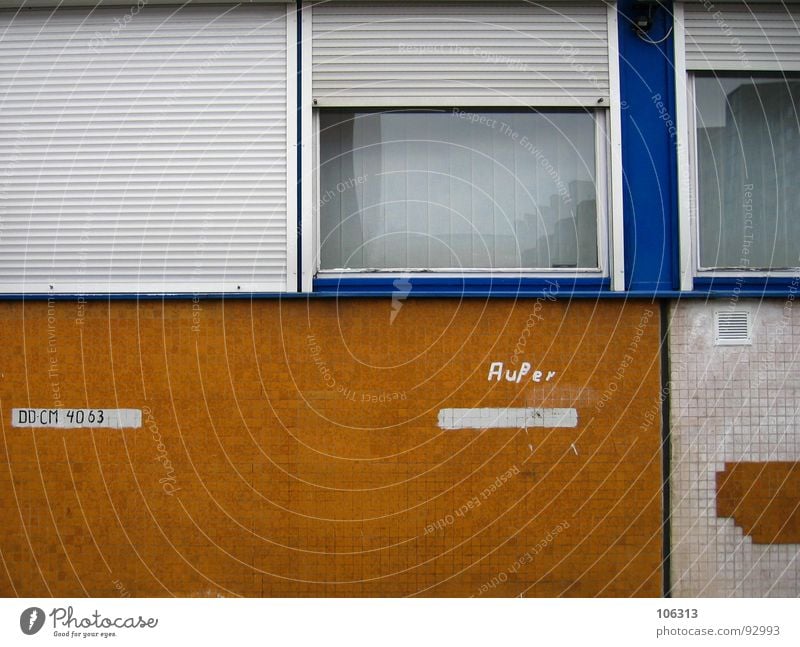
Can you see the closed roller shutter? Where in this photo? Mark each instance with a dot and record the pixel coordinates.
(143, 153)
(737, 37)
(479, 53)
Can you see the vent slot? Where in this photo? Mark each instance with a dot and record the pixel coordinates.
(732, 328)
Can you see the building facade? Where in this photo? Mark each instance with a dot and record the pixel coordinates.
(380, 298)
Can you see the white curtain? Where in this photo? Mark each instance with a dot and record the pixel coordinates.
(457, 190)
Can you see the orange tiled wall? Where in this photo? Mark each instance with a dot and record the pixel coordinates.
(293, 449)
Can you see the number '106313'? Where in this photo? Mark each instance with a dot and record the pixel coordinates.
(677, 613)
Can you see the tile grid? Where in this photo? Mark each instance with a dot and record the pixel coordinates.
(736, 403)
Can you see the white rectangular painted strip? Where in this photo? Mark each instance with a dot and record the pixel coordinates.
(507, 418)
(77, 418)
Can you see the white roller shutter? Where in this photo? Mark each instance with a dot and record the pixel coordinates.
(466, 53)
(146, 152)
(733, 36)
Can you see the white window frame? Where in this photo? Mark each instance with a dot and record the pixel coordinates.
(291, 151)
(601, 161)
(694, 199)
(688, 168)
(608, 178)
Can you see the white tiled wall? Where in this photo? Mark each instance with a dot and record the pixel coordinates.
(730, 403)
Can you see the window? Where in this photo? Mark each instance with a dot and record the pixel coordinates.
(738, 66)
(463, 138)
(458, 190)
(148, 153)
(748, 170)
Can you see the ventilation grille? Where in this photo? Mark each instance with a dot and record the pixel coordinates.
(732, 328)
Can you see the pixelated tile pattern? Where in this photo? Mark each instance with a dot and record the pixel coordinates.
(730, 405)
(763, 499)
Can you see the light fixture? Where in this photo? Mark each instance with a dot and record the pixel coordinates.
(643, 18)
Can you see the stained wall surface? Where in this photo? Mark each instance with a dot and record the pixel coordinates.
(736, 447)
(293, 448)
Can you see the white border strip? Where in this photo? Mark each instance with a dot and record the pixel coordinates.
(685, 264)
(291, 149)
(76, 418)
(602, 189)
(507, 418)
(617, 225)
(456, 100)
(308, 174)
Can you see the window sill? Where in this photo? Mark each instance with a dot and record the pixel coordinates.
(747, 282)
(499, 286)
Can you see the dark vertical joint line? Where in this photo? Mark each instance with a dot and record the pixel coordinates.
(666, 453)
(299, 156)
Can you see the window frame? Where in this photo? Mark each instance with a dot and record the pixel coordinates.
(602, 196)
(691, 276)
(610, 273)
(698, 270)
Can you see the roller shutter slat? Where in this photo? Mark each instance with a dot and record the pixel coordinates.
(155, 163)
(519, 50)
(758, 37)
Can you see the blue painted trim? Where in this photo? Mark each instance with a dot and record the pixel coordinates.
(433, 284)
(733, 286)
(649, 159)
(475, 293)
